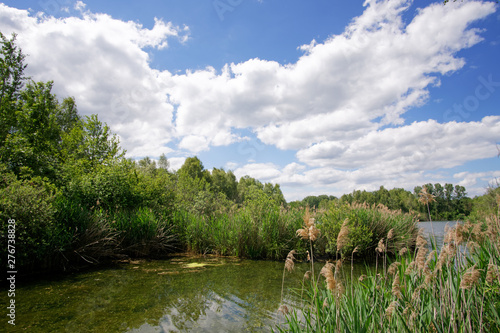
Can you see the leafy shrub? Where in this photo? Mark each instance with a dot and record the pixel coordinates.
(30, 204)
(365, 226)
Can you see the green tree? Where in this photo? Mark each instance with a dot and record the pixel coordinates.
(163, 162)
(246, 185)
(225, 182)
(67, 115)
(192, 180)
(274, 192)
(33, 142)
(89, 144)
(192, 168)
(11, 83)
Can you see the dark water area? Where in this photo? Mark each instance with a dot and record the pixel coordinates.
(180, 294)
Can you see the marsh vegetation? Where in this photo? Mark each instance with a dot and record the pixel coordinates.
(425, 288)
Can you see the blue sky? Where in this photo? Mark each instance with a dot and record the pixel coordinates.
(322, 97)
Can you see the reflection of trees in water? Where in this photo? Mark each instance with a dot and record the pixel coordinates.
(188, 310)
(227, 294)
(247, 292)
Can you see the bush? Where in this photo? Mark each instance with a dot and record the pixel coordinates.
(30, 204)
(364, 227)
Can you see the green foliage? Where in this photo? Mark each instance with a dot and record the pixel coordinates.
(11, 82)
(365, 227)
(241, 232)
(30, 204)
(108, 186)
(142, 232)
(451, 201)
(154, 187)
(225, 182)
(33, 139)
(487, 204)
(89, 144)
(456, 290)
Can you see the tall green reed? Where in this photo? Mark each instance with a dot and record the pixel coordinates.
(452, 289)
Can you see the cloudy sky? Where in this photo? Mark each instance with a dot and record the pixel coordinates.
(322, 97)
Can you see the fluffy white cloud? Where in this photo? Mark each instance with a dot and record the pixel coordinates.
(423, 145)
(101, 61)
(470, 180)
(341, 105)
(261, 171)
(175, 163)
(395, 157)
(341, 89)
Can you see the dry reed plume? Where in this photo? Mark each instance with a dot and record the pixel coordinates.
(470, 278)
(343, 237)
(451, 289)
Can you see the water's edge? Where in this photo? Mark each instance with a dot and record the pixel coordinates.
(183, 293)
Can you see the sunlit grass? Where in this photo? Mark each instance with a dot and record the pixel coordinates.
(452, 289)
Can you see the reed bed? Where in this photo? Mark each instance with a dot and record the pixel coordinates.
(452, 289)
(241, 232)
(362, 227)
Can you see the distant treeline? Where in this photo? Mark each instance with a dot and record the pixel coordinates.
(450, 201)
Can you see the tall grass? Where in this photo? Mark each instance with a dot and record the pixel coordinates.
(361, 227)
(452, 289)
(240, 232)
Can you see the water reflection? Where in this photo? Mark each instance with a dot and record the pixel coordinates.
(182, 294)
(438, 227)
(179, 295)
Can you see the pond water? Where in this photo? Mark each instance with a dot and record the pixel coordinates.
(195, 294)
(438, 228)
(181, 294)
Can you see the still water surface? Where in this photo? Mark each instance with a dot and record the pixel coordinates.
(182, 294)
(438, 228)
(176, 295)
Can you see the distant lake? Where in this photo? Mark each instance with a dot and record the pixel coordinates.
(438, 227)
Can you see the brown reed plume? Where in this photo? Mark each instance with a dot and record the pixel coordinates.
(492, 274)
(389, 312)
(470, 278)
(289, 265)
(426, 198)
(396, 287)
(311, 233)
(380, 249)
(327, 273)
(393, 268)
(343, 236)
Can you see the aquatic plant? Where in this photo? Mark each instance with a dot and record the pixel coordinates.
(347, 226)
(452, 289)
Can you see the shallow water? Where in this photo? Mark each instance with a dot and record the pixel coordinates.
(182, 294)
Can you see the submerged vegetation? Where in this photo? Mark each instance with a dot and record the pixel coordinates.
(452, 289)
